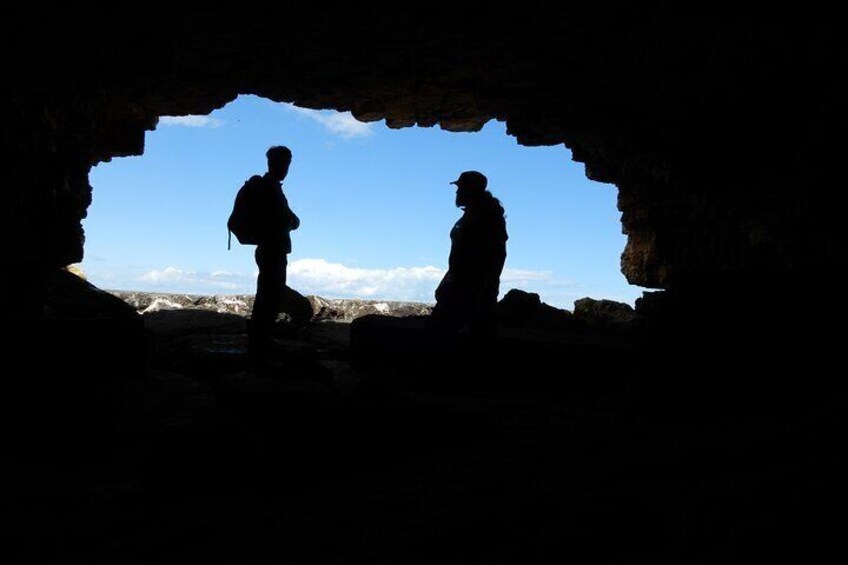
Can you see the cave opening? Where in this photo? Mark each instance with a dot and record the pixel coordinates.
(721, 135)
(375, 202)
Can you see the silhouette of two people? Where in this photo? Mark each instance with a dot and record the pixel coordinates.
(465, 298)
(467, 295)
(272, 249)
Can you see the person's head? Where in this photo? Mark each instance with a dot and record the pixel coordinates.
(279, 159)
(470, 188)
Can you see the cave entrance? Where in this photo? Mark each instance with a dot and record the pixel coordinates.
(375, 204)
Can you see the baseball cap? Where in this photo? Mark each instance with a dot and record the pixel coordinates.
(472, 179)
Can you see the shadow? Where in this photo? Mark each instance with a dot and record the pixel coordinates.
(379, 438)
(580, 362)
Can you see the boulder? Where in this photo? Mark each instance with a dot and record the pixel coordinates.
(525, 310)
(606, 315)
(70, 364)
(70, 296)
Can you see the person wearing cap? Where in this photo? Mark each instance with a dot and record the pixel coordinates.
(468, 293)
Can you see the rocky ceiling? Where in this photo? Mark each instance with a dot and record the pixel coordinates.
(717, 128)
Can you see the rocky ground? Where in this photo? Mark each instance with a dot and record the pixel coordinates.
(533, 448)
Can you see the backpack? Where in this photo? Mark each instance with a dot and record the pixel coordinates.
(247, 218)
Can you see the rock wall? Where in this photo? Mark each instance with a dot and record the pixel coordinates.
(718, 132)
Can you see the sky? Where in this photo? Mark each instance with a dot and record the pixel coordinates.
(375, 204)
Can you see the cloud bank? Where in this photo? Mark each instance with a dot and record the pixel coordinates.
(190, 121)
(342, 124)
(172, 279)
(336, 280)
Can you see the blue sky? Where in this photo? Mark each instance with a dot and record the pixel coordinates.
(375, 205)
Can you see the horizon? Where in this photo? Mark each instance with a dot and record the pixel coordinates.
(375, 203)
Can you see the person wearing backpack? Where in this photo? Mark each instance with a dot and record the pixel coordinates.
(262, 217)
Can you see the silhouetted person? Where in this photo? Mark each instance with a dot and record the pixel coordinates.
(468, 293)
(272, 250)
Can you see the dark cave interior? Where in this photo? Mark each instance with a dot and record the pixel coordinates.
(711, 439)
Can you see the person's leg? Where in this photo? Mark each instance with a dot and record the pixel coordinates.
(298, 308)
(453, 309)
(269, 289)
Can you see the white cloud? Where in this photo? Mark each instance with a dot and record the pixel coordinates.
(172, 279)
(520, 276)
(342, 124)
(190, 121)
(334, 280)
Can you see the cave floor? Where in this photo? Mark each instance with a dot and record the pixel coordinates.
(207, 463)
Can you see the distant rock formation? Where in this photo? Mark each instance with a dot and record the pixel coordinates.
(349, 309)
(342, 310)
(145, 302)
(517, 309)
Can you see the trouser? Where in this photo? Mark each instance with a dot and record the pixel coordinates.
(270, 290)
(459, 306)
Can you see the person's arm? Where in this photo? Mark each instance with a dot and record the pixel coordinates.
(494, 257)
(488, 292)
(290, 221)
